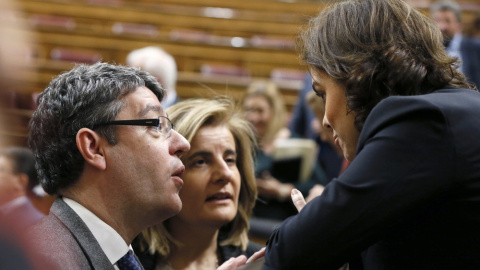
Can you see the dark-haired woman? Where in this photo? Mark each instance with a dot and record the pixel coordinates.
(410, 125)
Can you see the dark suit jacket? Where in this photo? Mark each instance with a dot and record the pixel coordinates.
(409, 200)
(63, 239)
(470, 51)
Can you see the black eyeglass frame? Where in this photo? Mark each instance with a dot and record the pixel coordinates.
(142, 122)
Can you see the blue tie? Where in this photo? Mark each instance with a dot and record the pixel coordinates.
(129, 262)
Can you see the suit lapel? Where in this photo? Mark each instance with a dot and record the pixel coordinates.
(82, 234)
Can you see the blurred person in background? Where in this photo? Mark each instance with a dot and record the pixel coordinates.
(160, 64)
(18, 178)
(304, 124)
(218, 195)
(265, 110)
(15, 253)
(448, 16)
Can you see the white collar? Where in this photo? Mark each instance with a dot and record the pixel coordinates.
(110, 241)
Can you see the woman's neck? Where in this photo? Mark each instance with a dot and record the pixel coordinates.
(198, 249)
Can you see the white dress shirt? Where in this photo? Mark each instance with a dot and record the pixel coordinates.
(110, 241)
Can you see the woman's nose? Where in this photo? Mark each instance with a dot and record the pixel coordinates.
(325, 122)
(223, 173)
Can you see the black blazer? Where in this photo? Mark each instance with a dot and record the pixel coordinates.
(409, 200)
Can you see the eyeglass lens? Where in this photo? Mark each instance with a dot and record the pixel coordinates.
(164, 126)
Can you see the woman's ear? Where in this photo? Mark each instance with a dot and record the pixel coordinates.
(89, 144)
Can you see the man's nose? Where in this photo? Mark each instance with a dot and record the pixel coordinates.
(179, 145)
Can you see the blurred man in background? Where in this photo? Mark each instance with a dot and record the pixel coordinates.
(18, 177)
(160, 64)
(448, 16)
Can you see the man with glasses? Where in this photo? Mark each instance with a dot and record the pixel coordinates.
(104, 145)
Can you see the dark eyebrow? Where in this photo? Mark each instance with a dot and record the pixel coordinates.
(230, 152)
(207, 153)
(200, 153)
(150, 108)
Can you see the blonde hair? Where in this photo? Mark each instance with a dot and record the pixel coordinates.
(269, 90)
(188, 117)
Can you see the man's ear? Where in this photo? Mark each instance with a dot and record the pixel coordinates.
(90, 144)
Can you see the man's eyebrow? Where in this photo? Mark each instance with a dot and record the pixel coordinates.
(150, 108)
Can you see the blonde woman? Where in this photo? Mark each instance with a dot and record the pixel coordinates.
(218, 193)
(265, 110)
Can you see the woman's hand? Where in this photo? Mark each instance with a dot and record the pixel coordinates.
(298, 199)
(314, 192)
(233, 263)
(257, 255)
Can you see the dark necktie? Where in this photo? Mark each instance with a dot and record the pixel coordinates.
(129, 262)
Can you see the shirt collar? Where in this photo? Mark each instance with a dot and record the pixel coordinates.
(110, 241)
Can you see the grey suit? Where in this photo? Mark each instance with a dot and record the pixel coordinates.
(64, 240)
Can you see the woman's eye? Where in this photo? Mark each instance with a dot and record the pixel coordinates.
(230, 160)
(321, 95)
(199, 162)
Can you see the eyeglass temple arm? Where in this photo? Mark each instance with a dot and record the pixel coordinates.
(141, 122)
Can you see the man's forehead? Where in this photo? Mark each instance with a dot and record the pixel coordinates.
(143, 101)
(445, 13)
(151, 108)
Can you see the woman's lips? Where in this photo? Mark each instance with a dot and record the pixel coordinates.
(220, 197)
(337, 141)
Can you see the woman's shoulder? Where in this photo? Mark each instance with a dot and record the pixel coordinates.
(441, 104)
(446, 112)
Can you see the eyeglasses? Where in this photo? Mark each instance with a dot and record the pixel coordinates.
(163, 124)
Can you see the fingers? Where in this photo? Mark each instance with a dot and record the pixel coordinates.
(257, 255)
(298, 199)
(316, 191)
(233, 263)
